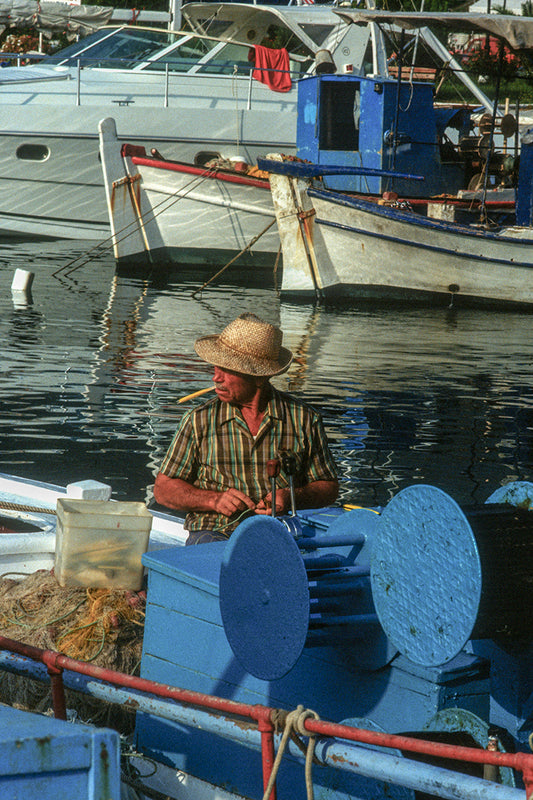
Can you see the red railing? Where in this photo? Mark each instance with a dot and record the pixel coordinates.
(264, 716)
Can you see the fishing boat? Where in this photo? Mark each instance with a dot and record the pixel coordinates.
(456, 237)
(343, 122)
(163, 211)
(191, 94)
(327, 651)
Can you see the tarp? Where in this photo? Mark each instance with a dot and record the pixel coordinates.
(517, 31)
(49, 16)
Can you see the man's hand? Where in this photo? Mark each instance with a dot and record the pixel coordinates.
(283, 502)
(313, 495)
(182, 496)
(231, 501)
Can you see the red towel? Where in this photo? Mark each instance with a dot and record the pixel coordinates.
(267, 59)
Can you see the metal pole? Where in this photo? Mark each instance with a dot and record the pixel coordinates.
(483, 212)
(267, 753)
(397, 110)
(58, 692)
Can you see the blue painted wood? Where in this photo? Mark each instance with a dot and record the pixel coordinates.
(524, 195)
(297, 169)
(517, 493)
(426, 588)
(349, 120)
(182, 649)
(45, 758)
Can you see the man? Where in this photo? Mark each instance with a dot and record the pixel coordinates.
(216, 466)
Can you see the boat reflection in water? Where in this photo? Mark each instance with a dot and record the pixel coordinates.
(417, 396)
(94, 367)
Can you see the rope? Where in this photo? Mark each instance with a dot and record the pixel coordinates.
(220, 271)
(34, 509)
(131, 227)
(294, 727)
(235, 93)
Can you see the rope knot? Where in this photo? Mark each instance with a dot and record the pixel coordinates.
(294, 727)
(301, 716)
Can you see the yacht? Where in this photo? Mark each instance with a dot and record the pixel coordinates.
(189, 95)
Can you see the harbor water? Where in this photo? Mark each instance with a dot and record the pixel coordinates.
(94, 363)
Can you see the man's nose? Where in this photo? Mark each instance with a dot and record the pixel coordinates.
(218, 375)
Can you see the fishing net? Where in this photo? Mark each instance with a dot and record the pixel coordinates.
(100, 626)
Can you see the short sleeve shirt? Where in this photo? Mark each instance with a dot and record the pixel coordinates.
(214, 449)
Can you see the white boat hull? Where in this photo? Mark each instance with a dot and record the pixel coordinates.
(169, 212)
(355, 248)
(50, 178)
(74, 207)
(34, 503)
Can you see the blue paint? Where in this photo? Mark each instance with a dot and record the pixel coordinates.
(46, 758)
(185, 645)
(353, 125)
(426, 575)
(264, 597)
(517, 493)
(524, 202)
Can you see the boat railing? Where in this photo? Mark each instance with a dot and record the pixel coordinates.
(355, 750)
(169, 68)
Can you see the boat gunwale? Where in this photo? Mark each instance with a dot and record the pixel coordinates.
(204, 172)
(456, 228)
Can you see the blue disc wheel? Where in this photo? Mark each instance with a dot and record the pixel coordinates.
(426, 575)
(264, 597)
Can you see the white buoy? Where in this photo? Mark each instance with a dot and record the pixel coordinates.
(22, 280)
(21, 289)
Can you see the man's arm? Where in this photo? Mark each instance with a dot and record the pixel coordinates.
(315, 494)
(182, 496)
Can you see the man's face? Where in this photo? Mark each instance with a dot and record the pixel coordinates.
(234, 387)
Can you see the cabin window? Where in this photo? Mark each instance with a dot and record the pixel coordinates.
(339, 115)
(226, 59)
(33, 152)
(187, 55)
(118, 49)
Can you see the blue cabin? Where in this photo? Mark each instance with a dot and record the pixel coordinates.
(356, 121)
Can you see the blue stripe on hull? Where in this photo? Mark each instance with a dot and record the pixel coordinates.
(413, 220)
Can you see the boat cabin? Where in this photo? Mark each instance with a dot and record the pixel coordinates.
(381, 124)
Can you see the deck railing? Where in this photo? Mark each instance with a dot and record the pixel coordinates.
(336, 745)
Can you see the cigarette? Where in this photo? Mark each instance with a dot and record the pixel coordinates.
(196, 394)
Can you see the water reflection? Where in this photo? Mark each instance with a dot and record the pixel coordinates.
(94, 364)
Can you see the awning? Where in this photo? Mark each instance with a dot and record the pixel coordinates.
(49, 16)
(517, 31)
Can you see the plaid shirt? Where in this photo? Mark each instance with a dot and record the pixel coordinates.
(214, 449)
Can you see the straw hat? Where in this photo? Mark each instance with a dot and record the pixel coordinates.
(248, 345)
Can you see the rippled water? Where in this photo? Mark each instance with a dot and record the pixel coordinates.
(93, 365)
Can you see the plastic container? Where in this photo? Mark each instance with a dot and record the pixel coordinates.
(99, 543)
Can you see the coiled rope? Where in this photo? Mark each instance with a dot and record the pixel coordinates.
(293, 729)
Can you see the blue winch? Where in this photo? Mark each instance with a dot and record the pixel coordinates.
(421, 577)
